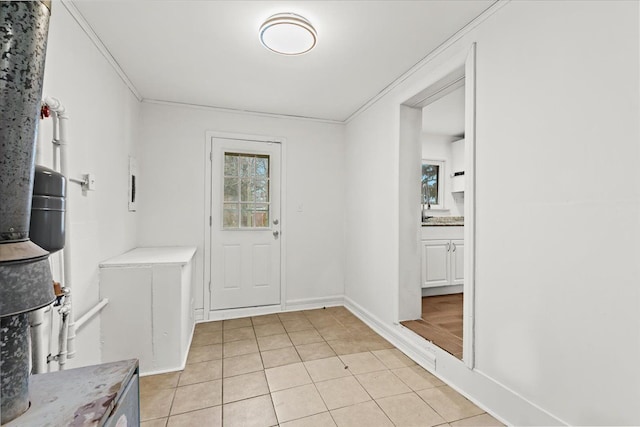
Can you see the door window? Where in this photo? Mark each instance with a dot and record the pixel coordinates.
(246, 191)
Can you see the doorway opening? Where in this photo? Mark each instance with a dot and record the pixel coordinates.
(437, 179)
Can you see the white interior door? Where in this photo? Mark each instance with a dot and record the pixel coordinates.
(245, 226)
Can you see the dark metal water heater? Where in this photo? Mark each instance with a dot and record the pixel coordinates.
(48, 209)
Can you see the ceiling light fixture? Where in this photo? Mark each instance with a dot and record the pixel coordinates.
(288, 34)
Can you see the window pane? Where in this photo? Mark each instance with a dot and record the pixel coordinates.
(261, 190)
(246, 216)
(231, 189)
(230, 164)
(262, 166)
(247, 190)
(250, 190)
(230, 215)
(430, 183)
(247, 166)
(261, 215)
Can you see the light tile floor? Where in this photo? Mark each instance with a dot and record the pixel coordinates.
(308, 368)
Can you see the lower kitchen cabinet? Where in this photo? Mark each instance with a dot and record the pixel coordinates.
(442, 262)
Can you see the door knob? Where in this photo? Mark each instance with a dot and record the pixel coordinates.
(276, 234)
(276, 222)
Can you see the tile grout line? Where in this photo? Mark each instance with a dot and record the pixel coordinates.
(264, 373)
(342, 323)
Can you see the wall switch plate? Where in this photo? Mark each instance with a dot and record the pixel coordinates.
(90, 181)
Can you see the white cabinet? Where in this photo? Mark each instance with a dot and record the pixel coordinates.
(457, 166)
(442, 262)
(456, 254)
(150, 312)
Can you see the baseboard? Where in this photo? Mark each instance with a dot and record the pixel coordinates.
(422, 352)
(488, 394)
(442, 290)
(292, 305)
(235, 313)
(198, 314)
(311, 303)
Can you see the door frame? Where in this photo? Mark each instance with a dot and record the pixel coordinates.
(206, 220)
(449, 71)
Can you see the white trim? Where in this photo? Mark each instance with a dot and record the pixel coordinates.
(429, 357)
(208, 212)
(466, 60)
(238, 111)
(499, 4)
(312, 303)
(419, 350)
(88, 30)
(236, 313)
(294, 305)
(469, 302)
(558, 420)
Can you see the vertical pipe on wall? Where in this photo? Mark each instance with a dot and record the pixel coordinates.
(62, 142)
(38, 350)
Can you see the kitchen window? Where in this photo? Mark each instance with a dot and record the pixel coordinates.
(432, 187)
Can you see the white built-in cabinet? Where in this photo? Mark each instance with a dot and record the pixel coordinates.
(442, 257)
(457, 165)
(150, 312)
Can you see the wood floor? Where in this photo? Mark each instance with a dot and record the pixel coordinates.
(441, 322)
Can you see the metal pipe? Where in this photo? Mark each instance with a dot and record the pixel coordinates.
(39, 153)
(38, 349)
(54, 142)
(89, 314)
(60, 114)
(51, 317)
(63, 337)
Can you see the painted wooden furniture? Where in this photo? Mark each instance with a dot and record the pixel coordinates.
(150, 311)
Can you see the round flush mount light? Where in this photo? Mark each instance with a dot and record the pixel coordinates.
(288, 34)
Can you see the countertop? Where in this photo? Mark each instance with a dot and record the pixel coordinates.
(76, 397)
(148, 256)
(444, 221)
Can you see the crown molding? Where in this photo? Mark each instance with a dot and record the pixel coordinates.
(499, 4)
(239, 111)
(88, 30)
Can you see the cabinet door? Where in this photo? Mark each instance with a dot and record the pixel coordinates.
(457, 262)
(435, 263)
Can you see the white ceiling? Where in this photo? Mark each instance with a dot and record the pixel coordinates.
(208, 52)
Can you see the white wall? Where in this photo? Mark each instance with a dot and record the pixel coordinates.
(102, 134)
(172, 185)
(557, 296)
(409, 302)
